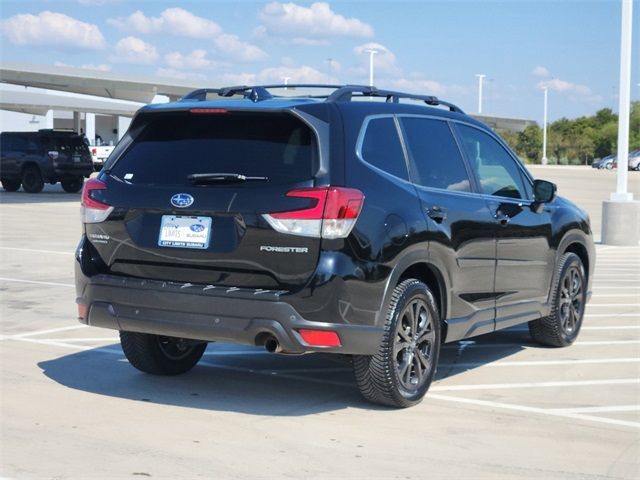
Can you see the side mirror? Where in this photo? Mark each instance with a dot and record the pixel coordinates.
(543, 192)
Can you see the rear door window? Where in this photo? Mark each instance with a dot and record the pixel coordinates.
(435, 154)
(173, 146)
(381, 147)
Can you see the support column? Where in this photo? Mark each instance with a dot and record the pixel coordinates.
(77, 122)
(90, 127)
(48, 119)
(123, 126)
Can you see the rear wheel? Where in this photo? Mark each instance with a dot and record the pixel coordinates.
(10, 185)
(568, 302)
(72, 184)
(160, 355)
(32, 181)
(401, 372)
(609, 166)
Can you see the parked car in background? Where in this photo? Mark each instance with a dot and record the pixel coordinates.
(99, 155)
(31, 159)
(634, 160)
(606, 162)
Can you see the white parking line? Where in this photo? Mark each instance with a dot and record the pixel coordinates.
(613, 305)
(613, 327)
(36, 282)
(611, 408)
(42, 332)
(36, 250)
(510, 386)
(612, 315)
(541, 411)
(539, 363)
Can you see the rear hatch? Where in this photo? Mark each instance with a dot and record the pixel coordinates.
(174, 221)
(72, 150)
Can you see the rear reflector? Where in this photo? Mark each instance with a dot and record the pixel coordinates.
(92, 210)
(83, 310)
(320, 338)
(332, 213)
(208, 110)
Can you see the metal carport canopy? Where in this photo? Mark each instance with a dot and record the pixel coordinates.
(36, 103)
(92, 82)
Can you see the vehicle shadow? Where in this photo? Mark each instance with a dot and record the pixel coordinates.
(50, 194)
(249, 380)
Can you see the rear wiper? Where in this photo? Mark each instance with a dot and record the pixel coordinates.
(215, 178)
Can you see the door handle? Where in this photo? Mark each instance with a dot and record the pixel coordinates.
(437, 214)
(502, 217)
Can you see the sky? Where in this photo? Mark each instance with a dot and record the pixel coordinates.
(427, 47)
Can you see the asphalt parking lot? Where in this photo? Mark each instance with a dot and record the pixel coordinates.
(501, 407)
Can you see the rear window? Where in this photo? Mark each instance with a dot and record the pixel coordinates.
(66, 144)
(173, 146)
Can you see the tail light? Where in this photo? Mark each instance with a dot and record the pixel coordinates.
(332, 213)
(92, 210)
(94, 151)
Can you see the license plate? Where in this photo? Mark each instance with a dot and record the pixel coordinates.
(76, 158)
(180, 231)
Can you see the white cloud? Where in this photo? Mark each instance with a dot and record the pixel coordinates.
(423, 86)
(52, 29)
(134, 50)
(196, 59)
(231, 46)
(103, 67)
(173, 21)
(179, 74)
(302, 74)
(540, 71)
(308, 24)
(563, 86)
(182, 23)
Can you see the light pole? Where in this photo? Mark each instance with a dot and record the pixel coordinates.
(621, 215)
(371, 52)
(544, 127)
(286, 81)
(480, 79)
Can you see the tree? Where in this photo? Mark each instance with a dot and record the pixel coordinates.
(529, 144)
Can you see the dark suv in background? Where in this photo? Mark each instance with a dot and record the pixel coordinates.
(371, 223)
(32, 159)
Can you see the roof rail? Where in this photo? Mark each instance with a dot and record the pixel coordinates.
(341, 93)
(345, 94)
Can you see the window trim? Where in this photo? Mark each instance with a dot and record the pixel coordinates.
(360, 142)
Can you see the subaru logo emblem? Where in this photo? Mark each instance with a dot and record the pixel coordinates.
(182, 200)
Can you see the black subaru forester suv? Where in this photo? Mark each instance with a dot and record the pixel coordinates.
(371, 223)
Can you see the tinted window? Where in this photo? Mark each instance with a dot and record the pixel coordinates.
(381, 147)
(174, 146)
(496, 169)
(436, 156)
(68, 144)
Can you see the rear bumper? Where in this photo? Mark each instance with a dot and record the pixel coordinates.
(64, 170)
(205, 312)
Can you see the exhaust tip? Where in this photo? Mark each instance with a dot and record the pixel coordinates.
(272, 345)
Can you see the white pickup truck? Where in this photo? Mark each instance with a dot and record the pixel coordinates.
(99, 155)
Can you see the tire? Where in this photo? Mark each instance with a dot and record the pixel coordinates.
(392, 376)
(32, 181)
(72, 184)
(160, 355)
(609, 166)
(11, 185)
(568, 302)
